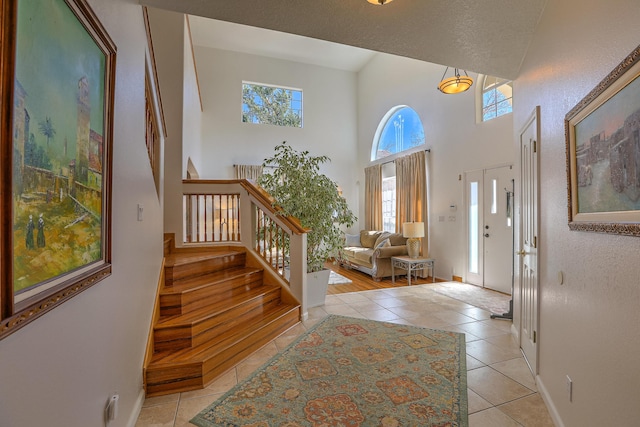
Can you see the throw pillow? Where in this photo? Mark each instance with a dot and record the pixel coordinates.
(368, 238)
(381, 238)
(352, 240)
(383, 244)
(397, 239)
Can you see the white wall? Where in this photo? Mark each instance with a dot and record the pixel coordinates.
(457, 143)
(329, 98)
(168, 32)
(192, 113)
(59, 370)
(588, 325)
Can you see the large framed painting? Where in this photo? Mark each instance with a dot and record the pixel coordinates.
(57, 77)
(603, 154)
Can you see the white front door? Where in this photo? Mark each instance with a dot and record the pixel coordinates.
(498, 229)
(528, 231)
(489, 228)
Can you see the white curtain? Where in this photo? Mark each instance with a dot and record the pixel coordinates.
(252, 172)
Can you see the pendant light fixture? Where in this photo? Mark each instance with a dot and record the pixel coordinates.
(379, 2)
(455, 84)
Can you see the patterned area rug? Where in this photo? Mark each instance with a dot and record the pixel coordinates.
(337, 279)
(493, 301)
(353, 372)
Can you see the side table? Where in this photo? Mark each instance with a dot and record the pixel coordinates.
(412, 264)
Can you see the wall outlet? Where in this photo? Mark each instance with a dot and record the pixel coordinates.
(111, 410)
(569, 388)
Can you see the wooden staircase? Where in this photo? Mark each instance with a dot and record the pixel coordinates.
(213, 311)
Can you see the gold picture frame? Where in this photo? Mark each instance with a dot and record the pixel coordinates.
(57, 78)
(603, 154)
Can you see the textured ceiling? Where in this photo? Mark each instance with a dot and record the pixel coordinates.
(489, 36)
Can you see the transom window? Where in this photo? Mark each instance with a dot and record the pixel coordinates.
(271, 105)
(497, 96)
(399, 130)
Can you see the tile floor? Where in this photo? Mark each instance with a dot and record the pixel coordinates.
(501, 390)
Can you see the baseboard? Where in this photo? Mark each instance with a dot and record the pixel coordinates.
(137, 407)
(553, 411)
(456, 279)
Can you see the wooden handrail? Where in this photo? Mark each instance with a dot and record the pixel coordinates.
(268, 201)
(259, 194)
(279, 241)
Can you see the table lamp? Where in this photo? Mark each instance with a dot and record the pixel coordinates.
(413, 231)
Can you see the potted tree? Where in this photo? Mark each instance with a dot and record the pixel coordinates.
(301, 191)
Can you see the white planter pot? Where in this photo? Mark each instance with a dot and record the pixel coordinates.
(317, 284)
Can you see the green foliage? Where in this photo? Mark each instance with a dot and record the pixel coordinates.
(301, 191)
(34, 155)
(46, 128)
(268, 105)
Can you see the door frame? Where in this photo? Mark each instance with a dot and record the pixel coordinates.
(518, 279)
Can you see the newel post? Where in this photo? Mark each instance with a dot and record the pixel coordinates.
(298, 269)
(248, 221)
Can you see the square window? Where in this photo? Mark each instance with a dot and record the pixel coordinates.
(264, 104)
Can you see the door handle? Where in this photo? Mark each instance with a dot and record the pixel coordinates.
(486, 235)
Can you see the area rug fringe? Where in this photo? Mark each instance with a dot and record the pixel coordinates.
(353, 372)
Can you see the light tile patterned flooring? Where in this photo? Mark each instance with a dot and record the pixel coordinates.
(501, 390)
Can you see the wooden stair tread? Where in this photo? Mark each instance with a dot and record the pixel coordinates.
(177, 259)
(190, 284)
(212, 310)
(203, 352)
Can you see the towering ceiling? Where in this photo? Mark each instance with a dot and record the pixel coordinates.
(489, 36)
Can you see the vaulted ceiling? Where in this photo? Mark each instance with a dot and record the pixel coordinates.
(489, 36)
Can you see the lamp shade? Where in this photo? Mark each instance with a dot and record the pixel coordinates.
(379, 2)
(413, 229)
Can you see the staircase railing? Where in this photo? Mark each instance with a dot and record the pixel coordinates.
(234, 212)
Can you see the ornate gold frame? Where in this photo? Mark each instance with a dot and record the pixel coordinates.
(579, 170)
(18, 312)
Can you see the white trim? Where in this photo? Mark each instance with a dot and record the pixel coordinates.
(546, 397)
(137, 408)
(247, 82)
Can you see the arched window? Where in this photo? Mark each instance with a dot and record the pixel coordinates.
(497, 96)
(399, 130)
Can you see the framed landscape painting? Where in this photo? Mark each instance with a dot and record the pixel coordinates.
(603, 154)
(58, 74)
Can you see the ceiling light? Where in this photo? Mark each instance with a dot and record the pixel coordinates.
(455, 84)
(379, 2)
